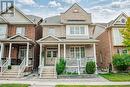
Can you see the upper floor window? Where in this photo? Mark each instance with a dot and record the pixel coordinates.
(77, 30)
(51, 32)
(20, 31)
(3, 31)
(117, 36)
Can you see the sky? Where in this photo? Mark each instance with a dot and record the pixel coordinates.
(101, 10)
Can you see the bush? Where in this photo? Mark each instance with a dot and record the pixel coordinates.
(121, 62)
(90, 67)
(9, 67)
(60, 67)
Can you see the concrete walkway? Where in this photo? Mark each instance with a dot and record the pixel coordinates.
(34, 81)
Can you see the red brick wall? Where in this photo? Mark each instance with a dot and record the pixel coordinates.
(29, 31)
(103, 48)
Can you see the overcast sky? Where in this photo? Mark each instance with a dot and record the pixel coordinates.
(101, 10)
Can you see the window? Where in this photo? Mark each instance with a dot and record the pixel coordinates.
(77, 52)
(51, 32)
(77, 30)
(20, 31)
(122, 51)
(2, 32)
(117, 37)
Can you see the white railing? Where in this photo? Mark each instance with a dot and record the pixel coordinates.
(41, 67)
(4, 67)
(22, 67)
(56, 61)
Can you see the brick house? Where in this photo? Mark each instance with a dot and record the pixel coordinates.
(110, 40)
(18, 33)
(69, 36)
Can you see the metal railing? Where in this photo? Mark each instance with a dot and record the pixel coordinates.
(22, 67)
(4, 67)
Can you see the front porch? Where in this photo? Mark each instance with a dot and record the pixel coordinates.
(17, 51)
(76, 55)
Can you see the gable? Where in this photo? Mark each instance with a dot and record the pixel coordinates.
(121, 19)
(17, 18)
(76, 13)
(19, 38)
(49, 39)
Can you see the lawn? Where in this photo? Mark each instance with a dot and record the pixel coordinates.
(14, 85)
(118, 77)
(89, 86)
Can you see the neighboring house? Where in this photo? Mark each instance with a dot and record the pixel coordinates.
(110, 40)
(69, 36)
(18, 33)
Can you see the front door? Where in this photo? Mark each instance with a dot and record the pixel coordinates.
(51, 56)
(22, 55)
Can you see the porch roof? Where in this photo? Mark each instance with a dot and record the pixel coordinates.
(53, 39)
(17, 39)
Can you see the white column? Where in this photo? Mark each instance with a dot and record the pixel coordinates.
(59, 51)
(64, 51)
(40, 60)
(94, 51)
(10, 46)
(27, 54)
(1, 52)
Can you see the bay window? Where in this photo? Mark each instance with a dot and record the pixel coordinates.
(3, 30)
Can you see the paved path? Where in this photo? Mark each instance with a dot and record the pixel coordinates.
(34, 81)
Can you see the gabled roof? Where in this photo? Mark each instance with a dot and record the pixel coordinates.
(20, 13)
(114, 21)
(49, 36)
(19, 37)
(75, 4)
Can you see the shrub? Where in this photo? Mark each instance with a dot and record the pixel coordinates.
(9, 67)
(60, 67)
(90, 67)
(121, 62)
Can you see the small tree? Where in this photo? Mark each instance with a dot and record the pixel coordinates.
(60, 67)
(90, 67)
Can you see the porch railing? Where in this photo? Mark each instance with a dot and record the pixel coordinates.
(77, 63)
(41, 67)
(4, 66)
(22, 67)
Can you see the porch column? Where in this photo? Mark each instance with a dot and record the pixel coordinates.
(59, 51)
(1, 53)
(64, 51)
(40, 60)
(10, 46)
(94, 49)
(27, 54)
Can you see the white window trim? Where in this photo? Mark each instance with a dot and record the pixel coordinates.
(23, 30)
(86, 34)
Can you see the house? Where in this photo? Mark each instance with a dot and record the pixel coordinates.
(69, 36)
(110, 40)
(18, 49)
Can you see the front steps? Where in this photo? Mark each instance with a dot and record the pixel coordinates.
(48, 72)
(12, 73)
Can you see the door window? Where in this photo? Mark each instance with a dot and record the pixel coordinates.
(51, 54)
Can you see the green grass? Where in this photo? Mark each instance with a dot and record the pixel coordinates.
(118, 77)
(91, 86)
(14, 85)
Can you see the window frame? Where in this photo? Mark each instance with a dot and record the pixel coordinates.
(22, 30)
